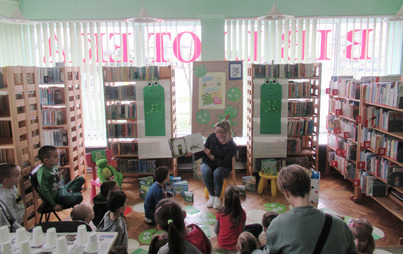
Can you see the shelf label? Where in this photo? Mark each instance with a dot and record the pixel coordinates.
(346, 134)
(361, 165)
(333, 164)
(338, 112)
(339, 152)
(366, 144)
(358, 119)
(356, 183)
(336, 131)
(382, 151)
(335, 92)
(327, 90)
(344, 154)
(366, 123)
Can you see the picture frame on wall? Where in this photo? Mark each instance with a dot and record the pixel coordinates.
(235, 70)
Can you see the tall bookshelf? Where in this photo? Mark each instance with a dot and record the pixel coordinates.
(379, 139)
(121, 117)
(304, 83)
(62, 118)
(20, 130)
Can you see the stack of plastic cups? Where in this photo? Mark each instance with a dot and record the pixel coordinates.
(61, 245)
(37, 236)
(25, 247)
(51, 238)
(92, 245)
(82, 236)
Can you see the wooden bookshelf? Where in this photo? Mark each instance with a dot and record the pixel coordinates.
(20, 130)
(311, 94)
(61, 105)
(121, 117)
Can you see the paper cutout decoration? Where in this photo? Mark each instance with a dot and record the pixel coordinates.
(200, 71)
(127, 211)
(203, 117)
(191, 210)
(139, 207)
(140, 251)
(230, 113)
(212, 91)
(146, 236)
(154, 109)
(270, 107)
(234, 94)
(275, 207)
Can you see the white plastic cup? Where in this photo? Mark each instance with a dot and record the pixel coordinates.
(51, 238)
(4, 234)
(21, 235)
(6, 247)
(37, 236)
(25, 247)
(61, 245)
(82, 236)
(92, 245)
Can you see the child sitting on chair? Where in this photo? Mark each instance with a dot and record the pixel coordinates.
(99, 200)
(113, 220)
(9, 178)
(83, 212)
(155, 193)
(49, 183)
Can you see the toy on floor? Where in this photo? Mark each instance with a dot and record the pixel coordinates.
(106, 172)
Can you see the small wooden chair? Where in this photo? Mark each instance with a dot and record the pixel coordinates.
(224, 185)
(263, 183)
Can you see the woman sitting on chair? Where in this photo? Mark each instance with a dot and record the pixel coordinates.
(217, 161)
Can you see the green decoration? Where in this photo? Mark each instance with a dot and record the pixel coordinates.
(106, 172)
(191, 210)
(146, 236)
(270, 107)
(203, 117)
(200, 71)
(275, 207)
(154, 109)
(207, 99)
(234, 94)
(205, 218)
(229, 112)
(140, 251)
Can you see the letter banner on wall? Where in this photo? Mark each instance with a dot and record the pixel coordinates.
(217, 95)
(270, 118)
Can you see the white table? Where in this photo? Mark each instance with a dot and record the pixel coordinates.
(105, 243)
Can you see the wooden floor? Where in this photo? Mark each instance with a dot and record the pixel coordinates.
(335, 195)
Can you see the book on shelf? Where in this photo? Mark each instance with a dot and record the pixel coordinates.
(54, 137)
(395, 177)
(51, 74)
(188, 144)
(123, 92)
(112, 74)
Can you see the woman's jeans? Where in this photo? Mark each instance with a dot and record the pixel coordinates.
(213, 180)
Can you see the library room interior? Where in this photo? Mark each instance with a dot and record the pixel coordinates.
(178, 126)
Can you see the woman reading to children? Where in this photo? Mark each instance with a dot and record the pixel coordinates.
(219, 149)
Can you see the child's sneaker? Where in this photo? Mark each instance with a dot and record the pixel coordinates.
(217, 203)
(210, 202)
(148, 221)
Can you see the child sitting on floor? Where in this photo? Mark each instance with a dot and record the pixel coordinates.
(83, 212)
(9, 178)
(113, 220)
(99, 200)
(362, 234)
(247, 243)
(267, 219)
(155, 193)
(170, 217)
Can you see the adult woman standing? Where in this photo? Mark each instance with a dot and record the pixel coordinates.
(219, 149)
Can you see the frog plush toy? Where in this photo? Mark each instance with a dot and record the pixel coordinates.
(106, 172)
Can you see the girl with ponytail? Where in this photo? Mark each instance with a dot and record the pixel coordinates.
(231, 220)
(181, 239)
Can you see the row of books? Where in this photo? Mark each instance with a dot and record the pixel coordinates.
(120, 92)
(342, 127)
(120, 148)
(112, 74)
(346, 108)
(51, 96)
(299, 89)
(5, 130)
(393, 148)
(121, 111)
(53, 117)
(372, 186)
(126, 130)
(344, 166)
(300, 108)
(343, 147)
(345, 87)
(299, 70)
(54, 137)
(6, 156)
(294, 145)
(387, 120)
(4, 105)
(385, 93)
(378, 166)
(135, 165)
(300, 127)
(51, 75)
